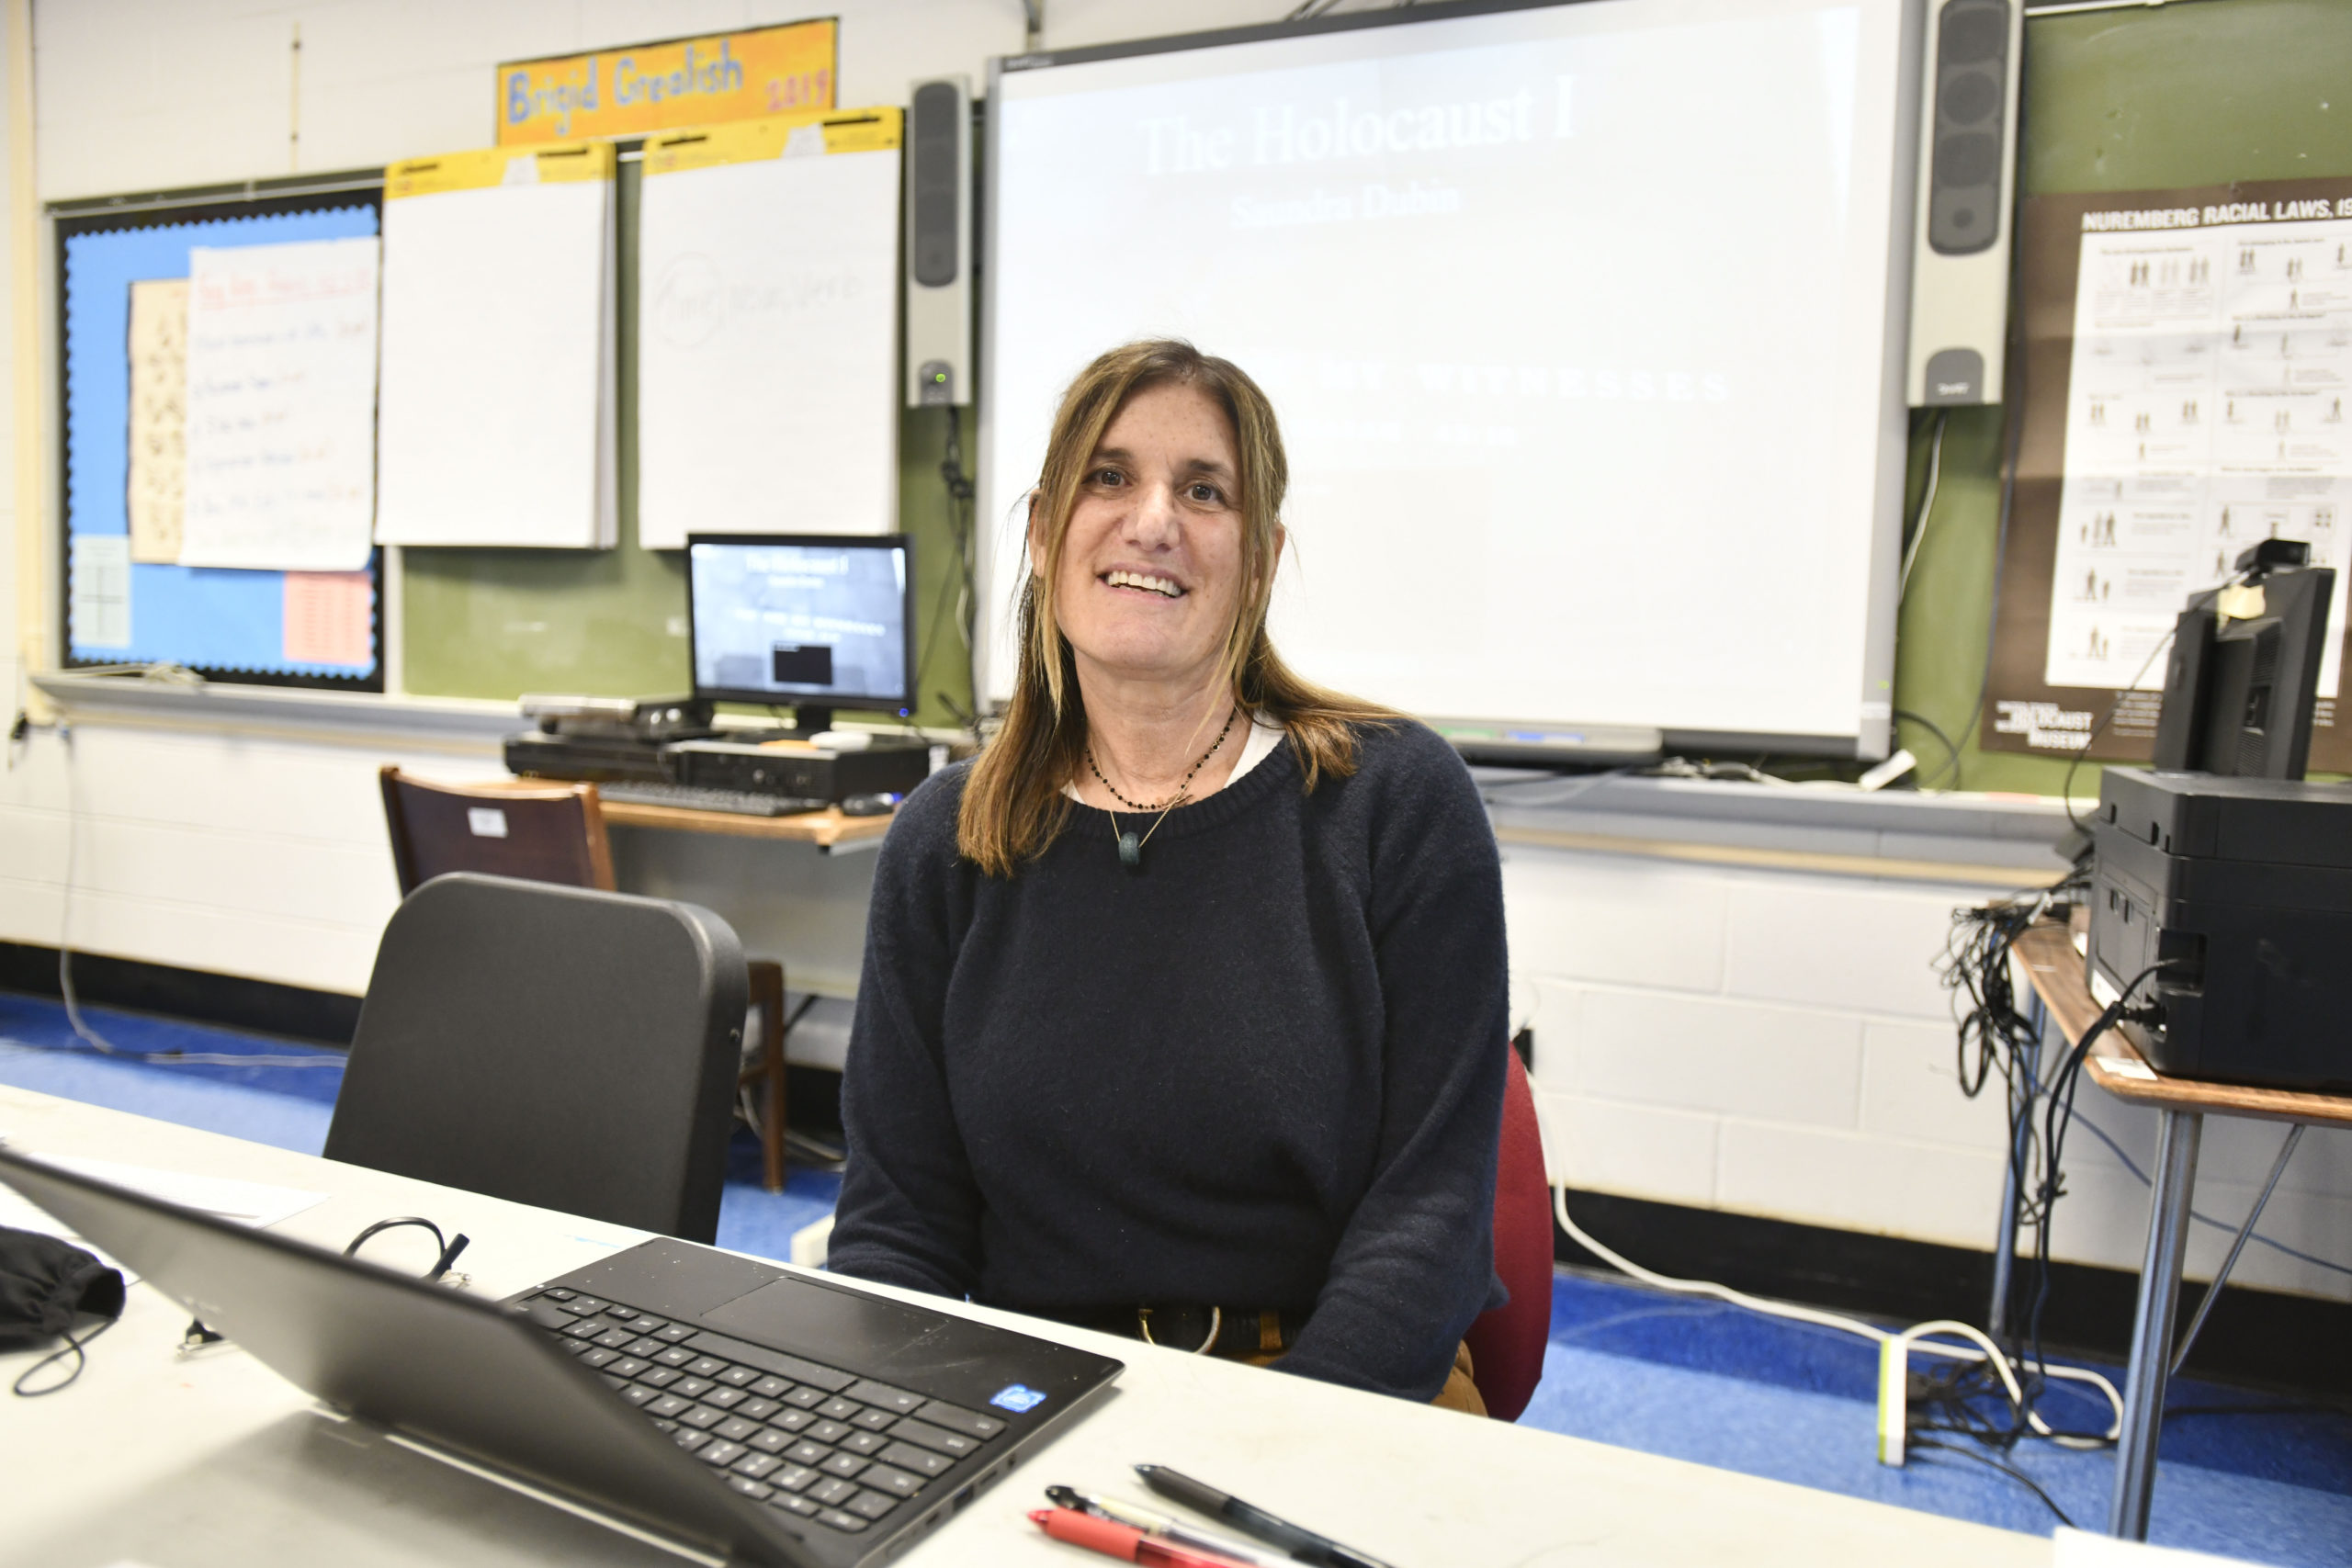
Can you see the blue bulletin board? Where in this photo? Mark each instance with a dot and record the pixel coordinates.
(226, 624)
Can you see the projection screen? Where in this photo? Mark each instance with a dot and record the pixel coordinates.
(1583, 323)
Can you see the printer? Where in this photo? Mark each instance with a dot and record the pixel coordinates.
(2242, 888)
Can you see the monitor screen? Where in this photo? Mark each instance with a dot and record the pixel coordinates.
(820, 621)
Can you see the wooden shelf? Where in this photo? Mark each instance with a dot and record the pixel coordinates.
(2048, 952)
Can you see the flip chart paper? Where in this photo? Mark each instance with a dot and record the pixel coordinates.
(497, 425)
(766, 343)
(281, 403)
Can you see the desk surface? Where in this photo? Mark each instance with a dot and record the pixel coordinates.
(2116, 1066)
(215, 1462)
(824, 829)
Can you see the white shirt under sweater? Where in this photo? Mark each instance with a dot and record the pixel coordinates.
(1264, 736)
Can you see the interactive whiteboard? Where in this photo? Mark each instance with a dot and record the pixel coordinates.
(1583, 323)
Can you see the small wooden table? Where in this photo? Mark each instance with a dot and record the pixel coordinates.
(828, 829)
(2063, 997)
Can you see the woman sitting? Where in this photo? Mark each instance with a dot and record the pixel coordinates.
(1184, 1009)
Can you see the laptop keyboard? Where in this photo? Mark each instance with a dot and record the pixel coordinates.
(695, 798)
(808, 1439)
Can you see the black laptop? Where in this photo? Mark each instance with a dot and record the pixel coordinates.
(754, 1414)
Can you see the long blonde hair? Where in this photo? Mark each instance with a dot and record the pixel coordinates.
(1013, 806)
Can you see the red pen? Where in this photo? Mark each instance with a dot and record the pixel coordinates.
(1115, 1539)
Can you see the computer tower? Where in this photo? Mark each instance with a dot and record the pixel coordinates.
(882, 769)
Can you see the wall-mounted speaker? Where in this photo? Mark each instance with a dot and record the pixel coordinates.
(939, 244)
(1959, 269)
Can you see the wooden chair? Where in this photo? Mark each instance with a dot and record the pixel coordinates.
(546, 831)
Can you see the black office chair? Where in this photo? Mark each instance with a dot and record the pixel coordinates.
(550, 832)
(559, 1047)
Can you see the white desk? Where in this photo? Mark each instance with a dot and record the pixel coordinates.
(215, 1462)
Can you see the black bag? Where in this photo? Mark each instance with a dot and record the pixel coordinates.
(45, 1282)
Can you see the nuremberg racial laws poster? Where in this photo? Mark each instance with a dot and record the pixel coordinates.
(2188, 359)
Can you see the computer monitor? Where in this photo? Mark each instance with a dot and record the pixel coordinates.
(2242, 678)
(815, 621)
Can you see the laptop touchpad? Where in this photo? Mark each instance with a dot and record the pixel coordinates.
(830, 1326)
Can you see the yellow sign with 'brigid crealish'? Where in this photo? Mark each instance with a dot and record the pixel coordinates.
(662, 86)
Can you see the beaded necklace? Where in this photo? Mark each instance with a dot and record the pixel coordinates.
(1130, 846)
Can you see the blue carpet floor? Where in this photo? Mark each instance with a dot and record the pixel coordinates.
(2240, 1474)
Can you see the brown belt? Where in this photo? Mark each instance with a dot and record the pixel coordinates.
(1202, 1330)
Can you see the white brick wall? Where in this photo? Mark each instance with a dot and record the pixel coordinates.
(265, 856)
(140, 94)
(261, 857)
(1777, 1043)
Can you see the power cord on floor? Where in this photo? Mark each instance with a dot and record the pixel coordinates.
(1922, 1337)
(105, 1047)
(2012, 1472)
(81, 1026)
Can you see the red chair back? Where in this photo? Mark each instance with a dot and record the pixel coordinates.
(1507, 1345)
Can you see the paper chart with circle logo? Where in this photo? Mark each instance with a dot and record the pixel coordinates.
(687, 309)
(766, 377)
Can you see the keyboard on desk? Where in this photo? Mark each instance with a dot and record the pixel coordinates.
(815, 1442)
(691, 797)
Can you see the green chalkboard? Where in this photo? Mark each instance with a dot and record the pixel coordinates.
(2126, 99)
(497, 623)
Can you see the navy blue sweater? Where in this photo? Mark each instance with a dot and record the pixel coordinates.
(1266, 1071)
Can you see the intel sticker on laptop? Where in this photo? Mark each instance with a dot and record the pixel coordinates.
(1019, 1398)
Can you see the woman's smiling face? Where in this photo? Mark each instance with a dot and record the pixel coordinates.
(1151, 577)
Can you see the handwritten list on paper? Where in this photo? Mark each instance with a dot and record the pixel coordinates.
(282, 406)
(158, 481)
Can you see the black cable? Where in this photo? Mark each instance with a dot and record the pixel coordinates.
(2057, 1114)
(2300, 1408)
(2013, 399)
(1950, 1390)
(450, 1245)
(2012, 1472)
(2066, 790)
(1951, 751)
(1994, 1036)
(73, 1348)
(2096, 1130)
(959, 586)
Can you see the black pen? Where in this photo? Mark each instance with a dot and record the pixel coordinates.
(1304, 1545)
